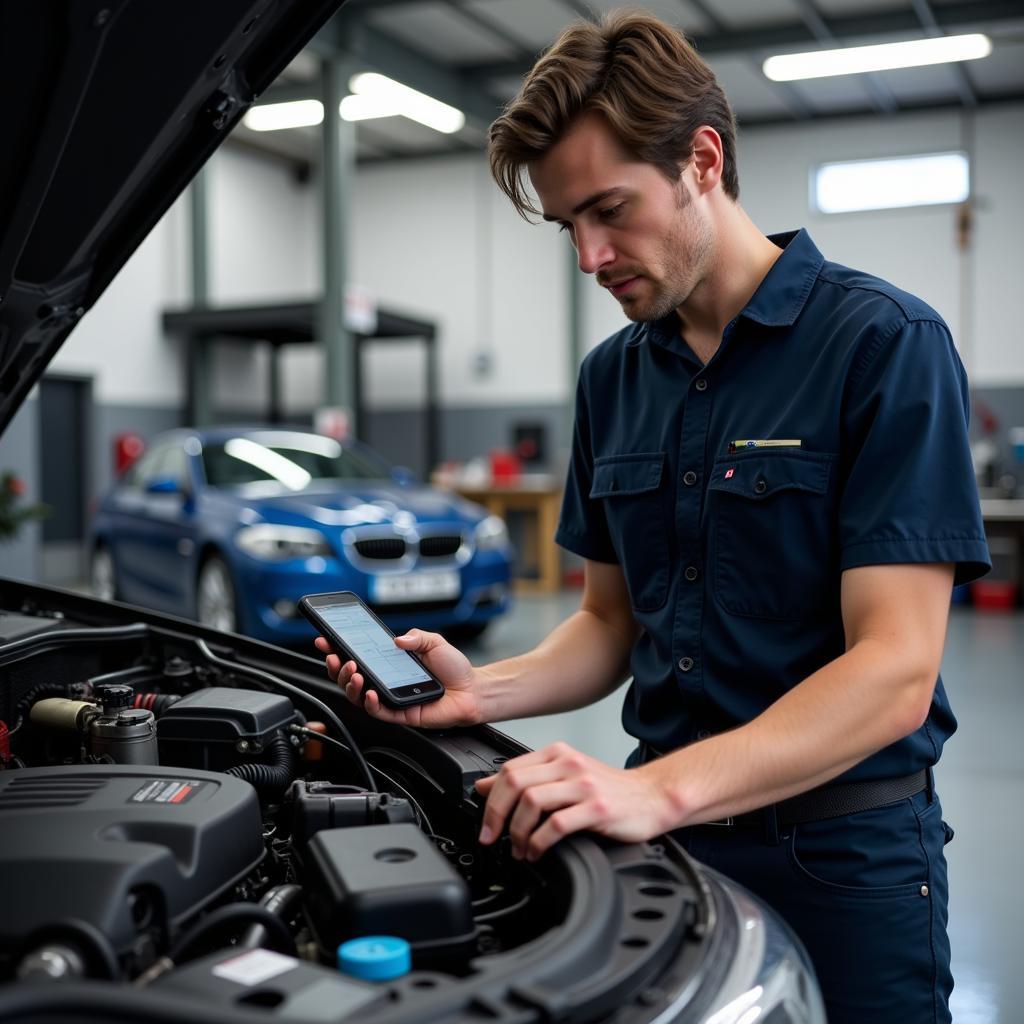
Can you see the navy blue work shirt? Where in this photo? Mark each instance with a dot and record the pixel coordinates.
(733, 550)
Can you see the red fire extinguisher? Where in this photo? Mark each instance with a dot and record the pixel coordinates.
(127, 448)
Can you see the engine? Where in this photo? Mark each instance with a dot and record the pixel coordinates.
(163, 818)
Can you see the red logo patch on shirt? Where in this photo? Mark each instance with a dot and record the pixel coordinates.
(729, 473)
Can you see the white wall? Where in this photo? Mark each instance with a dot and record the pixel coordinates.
(435, 238)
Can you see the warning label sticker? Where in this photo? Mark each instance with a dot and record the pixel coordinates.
(254, 968)
(167, 791)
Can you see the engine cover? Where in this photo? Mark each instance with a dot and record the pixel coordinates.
(119, 847)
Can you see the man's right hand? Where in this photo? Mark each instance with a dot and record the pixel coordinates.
(459, 705)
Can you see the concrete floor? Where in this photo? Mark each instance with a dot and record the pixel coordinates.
(980, 780)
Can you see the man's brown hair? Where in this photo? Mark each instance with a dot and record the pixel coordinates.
(640, 73)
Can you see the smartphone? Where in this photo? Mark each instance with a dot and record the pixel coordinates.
(356, 634)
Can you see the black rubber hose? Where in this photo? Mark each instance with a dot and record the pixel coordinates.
(227, 919)
(275, 773)
(280, 901)
(354, 752)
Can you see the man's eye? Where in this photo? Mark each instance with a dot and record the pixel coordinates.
(611, 211)
(563, 227)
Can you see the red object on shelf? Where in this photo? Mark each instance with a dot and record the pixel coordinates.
(127, 448)
(505, 467)
(994, 594)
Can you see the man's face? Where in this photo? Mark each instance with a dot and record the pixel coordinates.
(642, 236)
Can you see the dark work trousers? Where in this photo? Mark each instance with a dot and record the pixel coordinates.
(868, 896)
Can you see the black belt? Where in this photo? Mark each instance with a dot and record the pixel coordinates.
(834, 801)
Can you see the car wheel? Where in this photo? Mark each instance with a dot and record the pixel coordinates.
(102, 575)
(215, 596)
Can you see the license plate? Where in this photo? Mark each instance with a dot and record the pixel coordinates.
(415, 586)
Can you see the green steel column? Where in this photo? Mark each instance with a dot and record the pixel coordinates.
(199, 356)
(337, 170)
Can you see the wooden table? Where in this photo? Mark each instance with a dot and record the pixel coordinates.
(539, 495)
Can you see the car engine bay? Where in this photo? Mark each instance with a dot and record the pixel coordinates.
(190, 815)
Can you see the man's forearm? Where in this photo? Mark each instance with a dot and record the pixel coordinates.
(580, 662)
(848, 710)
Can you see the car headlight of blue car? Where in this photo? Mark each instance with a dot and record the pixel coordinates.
(491, 534)
(275, 543)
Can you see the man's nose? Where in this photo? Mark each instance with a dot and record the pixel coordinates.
(593, 250)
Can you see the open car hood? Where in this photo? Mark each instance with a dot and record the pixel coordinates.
(113, 106)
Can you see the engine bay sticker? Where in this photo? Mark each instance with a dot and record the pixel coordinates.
(255, 967)
(167, 791)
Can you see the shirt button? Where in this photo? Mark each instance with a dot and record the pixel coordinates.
(760, 487)
(689, 478)
(702, 734)
(691, 573)
(701, 385)
(685, 664)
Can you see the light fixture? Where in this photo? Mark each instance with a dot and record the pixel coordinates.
(378, 96)
(924, 180)
(272, 117)
(856, 60)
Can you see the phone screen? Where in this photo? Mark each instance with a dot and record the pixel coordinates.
(373, 646)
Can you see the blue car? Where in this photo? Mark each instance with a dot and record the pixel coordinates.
(232, 527)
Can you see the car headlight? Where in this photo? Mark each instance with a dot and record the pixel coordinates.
(491, 534)
(279, 543)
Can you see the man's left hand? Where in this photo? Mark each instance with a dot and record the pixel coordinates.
(548, 794)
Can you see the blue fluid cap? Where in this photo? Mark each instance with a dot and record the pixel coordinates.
(375, 957)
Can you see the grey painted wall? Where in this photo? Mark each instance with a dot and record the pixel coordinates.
(19, 451)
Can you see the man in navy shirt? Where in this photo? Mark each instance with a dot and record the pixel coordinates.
(772, 490)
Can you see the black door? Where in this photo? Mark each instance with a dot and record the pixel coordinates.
(63, 420)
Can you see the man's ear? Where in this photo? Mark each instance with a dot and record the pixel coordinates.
(706, 158)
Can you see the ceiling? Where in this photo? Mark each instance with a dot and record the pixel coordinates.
(473, 54)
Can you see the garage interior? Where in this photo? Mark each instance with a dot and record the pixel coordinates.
(373, 267)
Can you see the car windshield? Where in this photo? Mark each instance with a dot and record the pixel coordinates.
(293, 461)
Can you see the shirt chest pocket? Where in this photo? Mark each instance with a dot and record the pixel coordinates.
(773, 534)
(631, 489)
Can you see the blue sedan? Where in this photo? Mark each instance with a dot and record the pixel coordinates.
(231, 527)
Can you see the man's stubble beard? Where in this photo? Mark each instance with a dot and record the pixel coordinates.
(684, 264)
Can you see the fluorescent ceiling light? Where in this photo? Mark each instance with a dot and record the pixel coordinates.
(379, 96)
(885, 184)
(855, 60)
(272, 117)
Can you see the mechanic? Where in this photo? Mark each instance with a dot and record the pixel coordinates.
(772, 491)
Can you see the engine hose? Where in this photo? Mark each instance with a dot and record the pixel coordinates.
(227, 919)
(275, 773)
(158, 703)
(280, 901)
(38, 692)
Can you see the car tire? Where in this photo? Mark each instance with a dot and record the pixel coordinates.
(216, 603)
(103, 574)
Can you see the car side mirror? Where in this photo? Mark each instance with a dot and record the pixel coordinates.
(403, 476)
(163, 485)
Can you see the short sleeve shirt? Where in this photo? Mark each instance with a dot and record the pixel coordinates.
(829, 431)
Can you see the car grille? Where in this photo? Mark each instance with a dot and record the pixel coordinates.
(442, 546)
(381, 548)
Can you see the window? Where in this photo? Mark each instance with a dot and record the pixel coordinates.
(924, 180)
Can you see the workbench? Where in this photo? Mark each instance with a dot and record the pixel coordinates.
(539, 497)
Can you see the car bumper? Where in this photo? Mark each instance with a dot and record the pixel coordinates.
(268, 595)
